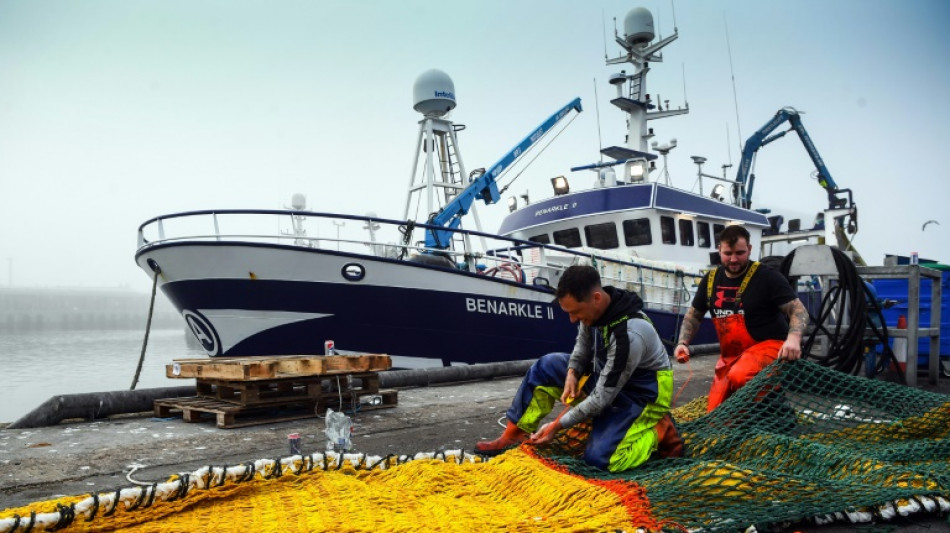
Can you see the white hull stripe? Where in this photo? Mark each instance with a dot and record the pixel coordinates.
(235, 325)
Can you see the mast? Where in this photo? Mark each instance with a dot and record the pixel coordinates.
(441, 177)
(632, 96)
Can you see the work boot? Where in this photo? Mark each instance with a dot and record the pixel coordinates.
(511, 438)
(670, 443)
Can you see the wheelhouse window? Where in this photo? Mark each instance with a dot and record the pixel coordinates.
(636, 232)
(717, 230)
(668, 230)
(569, 238)
(702, 234)
(540, 239)
(602, 236)
(686, 232)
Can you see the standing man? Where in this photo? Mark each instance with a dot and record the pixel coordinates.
(757, 315)
(630, 387)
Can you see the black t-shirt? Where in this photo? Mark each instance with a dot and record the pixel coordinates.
(766, 292)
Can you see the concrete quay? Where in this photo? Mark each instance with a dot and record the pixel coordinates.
(82, 457)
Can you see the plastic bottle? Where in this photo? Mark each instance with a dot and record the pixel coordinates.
(339, 430)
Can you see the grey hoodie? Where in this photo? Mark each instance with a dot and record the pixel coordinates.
(631, 343)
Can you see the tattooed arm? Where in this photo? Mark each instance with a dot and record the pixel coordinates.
(797, 320)
(688, 330)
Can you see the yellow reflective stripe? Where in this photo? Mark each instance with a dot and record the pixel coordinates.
(641, 439)
(606, 330)
(709, 285)
(745, 282)
(542, 402)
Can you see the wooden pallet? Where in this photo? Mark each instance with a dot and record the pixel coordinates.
(229, 415)
(283, 390)
(271, 367)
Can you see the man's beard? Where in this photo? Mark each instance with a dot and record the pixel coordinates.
(737, 269)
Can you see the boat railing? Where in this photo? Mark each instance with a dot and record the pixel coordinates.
(513, 260)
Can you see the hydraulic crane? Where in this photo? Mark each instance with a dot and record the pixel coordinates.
(745, 179)
(485, 187)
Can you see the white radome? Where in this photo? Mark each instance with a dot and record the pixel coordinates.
(433, 93)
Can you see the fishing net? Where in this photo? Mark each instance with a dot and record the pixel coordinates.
(798, 442)
(515, 492)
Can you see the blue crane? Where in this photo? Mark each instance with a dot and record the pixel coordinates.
(837, 198)
(484, 187)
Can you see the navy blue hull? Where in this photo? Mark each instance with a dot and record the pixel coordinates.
(413, 322)
(418, 322)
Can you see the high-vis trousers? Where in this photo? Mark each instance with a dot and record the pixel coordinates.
(623, 435)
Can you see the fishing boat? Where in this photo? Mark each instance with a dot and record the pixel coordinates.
(422, 285)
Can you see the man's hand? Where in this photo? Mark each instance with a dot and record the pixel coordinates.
(570, 387)
(546, 433)
(681, 353)
(792, 348)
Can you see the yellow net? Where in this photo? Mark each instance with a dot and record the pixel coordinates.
(798, 443)
(515, 492)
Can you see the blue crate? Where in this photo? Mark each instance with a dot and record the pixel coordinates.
(896, 289)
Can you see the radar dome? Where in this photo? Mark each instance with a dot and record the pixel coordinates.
(433, 94)
(298, 201)
(638, 26)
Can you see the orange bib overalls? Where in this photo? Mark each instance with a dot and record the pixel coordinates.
(741, 357)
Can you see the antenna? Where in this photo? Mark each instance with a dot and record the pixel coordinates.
(732, 73)
(685, 99)
(603, 22)
(600, 141)
(673, 7)
(728, 145)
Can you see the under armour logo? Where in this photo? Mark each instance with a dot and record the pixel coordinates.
(721, 298)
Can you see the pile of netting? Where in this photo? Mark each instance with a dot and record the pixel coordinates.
(800, 442)
(450, 491)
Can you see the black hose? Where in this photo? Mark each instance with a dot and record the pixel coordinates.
(842, 317)
(424, 377)
(95, 405)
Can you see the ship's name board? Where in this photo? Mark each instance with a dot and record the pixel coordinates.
(498, 307)
(555, 209)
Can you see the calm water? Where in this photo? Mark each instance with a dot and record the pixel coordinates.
(41, 364)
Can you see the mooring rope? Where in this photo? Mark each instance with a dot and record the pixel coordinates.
(148, 324)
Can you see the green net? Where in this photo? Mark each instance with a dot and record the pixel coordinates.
(800, 441)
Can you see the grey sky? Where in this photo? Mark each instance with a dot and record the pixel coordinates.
(112, 112)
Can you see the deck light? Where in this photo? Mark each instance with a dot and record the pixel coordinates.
(717, 192)
(560, 185)
(512, 203)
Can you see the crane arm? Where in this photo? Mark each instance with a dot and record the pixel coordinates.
(745, 180)
(485, 186)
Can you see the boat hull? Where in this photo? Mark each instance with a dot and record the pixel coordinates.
(262, 299)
